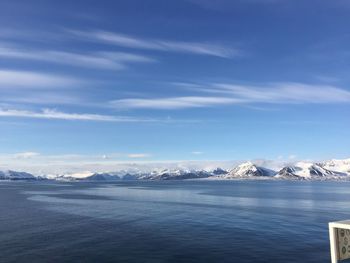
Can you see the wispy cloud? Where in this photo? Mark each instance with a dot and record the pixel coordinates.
(25, 155)
(197, 153)
(25, 79)
(139, 155)
(171, 103)
(287, 92)
(103, 60)
(225, 94)
(157, 44)
(77, 163)
(54, 114)
(292, 157)
(43, 98)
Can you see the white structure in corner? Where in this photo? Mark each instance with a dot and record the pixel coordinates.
(339, 234)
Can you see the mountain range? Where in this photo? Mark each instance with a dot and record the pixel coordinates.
(332, 169)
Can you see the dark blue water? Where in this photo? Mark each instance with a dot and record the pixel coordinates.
(183, 221)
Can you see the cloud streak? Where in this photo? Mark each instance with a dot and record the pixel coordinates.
(139, 155)
(287, 92)
(171, 103)
(197, 153)
(58, 115)
(25, 155)
(30, 79)
(43, 98)
(225, 94)
(101, 60)
(157, 44)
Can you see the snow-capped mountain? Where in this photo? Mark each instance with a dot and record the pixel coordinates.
(305, 170)
(219, 171)
(72, 176)
(13, 175)
(332, 169)
(102, 177)
(339, 166)
(248, 169)
(176, 174)
(287, 172)
(130, 176)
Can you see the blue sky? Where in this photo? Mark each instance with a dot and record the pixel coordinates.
(174, 80)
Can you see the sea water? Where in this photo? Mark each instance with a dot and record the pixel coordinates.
(170, 221)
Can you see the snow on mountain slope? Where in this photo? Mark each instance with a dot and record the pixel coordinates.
(248, 169)
(305, 170)
(332, 169)
(102, 177)
(80, 175)
(13, 175)
(177, 174)
(287, 172)
(219, 171)
(339, 166)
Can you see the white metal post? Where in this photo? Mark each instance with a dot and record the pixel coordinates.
(333, 243)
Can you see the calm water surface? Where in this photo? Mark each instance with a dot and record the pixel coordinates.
(182, 221)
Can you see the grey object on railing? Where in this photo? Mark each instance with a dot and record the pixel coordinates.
(339, 236)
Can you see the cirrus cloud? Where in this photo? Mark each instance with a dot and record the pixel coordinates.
(102, 60)
(172, 102)
(226, 94)
(31, 79)
(128, 41)
(139, 155)
(58, 115)
(25, 155)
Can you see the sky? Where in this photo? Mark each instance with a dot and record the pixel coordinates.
(108, 82)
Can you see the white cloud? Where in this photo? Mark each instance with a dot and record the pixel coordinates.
(43, 98)
(292, 157)
(105, 60)
(26, 155)
(29, 79)
(225, 94)
(54, 114)
(76, 163)
(156, 44)
(287, 92)
(139, 155)
(172, 103)
(197, 153)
